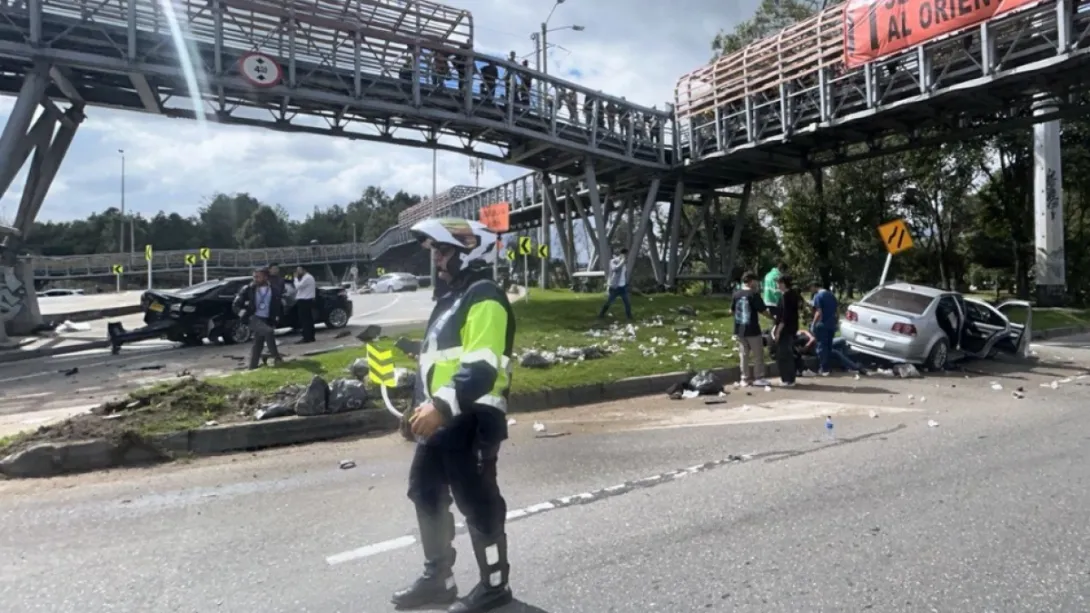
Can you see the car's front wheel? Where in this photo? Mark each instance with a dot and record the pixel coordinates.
(336, 318)
(237, 333)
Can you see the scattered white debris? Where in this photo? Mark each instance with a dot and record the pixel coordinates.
(511, 422)
(347, 464)
(923, 398)
(996, 386)
(932, 423)
(856, 377)
(539, 427)
(768, 388)
(1018, 394)
(690, 394)
(873, 414)
(911, 397)
(69, 326)
(210, 423)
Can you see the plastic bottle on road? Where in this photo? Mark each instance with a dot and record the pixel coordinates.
(829, 428)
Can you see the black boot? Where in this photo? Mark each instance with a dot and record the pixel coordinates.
(436, 586)
(492, 592)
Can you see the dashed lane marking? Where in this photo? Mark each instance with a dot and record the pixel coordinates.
(543, 507)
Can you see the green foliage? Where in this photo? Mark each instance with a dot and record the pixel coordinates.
(226, 222)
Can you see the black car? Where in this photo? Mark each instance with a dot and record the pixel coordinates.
(201, 311)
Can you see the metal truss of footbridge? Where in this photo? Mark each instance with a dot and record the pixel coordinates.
(331, 68)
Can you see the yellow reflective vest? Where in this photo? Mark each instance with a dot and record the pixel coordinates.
(465, 360)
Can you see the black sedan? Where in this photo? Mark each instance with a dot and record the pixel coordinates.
(202, 311)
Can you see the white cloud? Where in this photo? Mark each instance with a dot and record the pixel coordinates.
(631, 48)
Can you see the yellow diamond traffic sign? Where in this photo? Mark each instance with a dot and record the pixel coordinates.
(543, 251)
(380, 271)
(190, 259)
(895, 236)
(147, 252)
(511, 255)
(380, 366)
(524, 245)
(117, 269)
(206, 253)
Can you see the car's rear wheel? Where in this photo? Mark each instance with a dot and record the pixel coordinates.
(336, 318)
(939, 356)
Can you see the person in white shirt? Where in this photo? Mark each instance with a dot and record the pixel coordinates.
(618, 284)
(305, 292)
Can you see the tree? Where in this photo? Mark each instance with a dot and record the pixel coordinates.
(265, 228)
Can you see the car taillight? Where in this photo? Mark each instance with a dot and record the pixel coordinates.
(851, 315)
(906, 329)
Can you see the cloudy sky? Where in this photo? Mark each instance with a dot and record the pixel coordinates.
(631, 48)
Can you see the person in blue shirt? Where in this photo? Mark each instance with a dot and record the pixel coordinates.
(824, 324)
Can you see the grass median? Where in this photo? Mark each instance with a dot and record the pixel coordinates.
(662, 338)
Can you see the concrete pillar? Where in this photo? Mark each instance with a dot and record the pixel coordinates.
(1048, 216)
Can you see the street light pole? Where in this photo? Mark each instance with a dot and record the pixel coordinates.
(121, 229)
(434, 195)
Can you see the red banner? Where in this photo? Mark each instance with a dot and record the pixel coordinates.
(497, 216)
(874, 29)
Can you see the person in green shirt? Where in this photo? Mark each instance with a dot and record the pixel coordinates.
(770, 286)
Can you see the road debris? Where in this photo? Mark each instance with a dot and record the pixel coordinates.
(539, 427)
(347, 464)
(932, 423)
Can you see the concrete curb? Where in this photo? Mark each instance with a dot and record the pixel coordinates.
(53, 459)
(1044, 335)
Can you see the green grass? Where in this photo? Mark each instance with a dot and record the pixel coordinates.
(552, 319)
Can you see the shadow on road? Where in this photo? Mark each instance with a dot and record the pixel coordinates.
(861, 389)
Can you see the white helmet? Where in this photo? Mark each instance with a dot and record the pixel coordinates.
(474, 242)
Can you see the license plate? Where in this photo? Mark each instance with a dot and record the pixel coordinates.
(156, 307)
(868, 341)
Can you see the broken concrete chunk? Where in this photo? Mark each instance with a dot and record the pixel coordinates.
(346, 395)
(906, 371)
(315, 398)
(537, 359)
(274, 410)
(358, 369)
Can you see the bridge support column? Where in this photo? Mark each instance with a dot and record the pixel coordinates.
(45, 142)
(545, 236)
(641, 225)
(736, 236)
(563, 227)
(673, 250)
(1048, 214)
(598, 211)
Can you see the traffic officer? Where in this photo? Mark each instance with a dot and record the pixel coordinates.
(460, 419)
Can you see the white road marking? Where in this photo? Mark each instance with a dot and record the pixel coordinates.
(370, 550)
(397, 297)
(402, 542)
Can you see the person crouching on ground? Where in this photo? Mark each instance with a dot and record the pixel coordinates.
(746, 307)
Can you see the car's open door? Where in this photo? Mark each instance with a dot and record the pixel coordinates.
(1020, 315)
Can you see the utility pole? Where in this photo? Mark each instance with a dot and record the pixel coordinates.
(434, 208)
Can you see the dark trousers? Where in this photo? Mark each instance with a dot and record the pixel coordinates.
(615, 293)
(785, 357)
(824, 334)
(467, 472)
(264, 335)
(305, 318)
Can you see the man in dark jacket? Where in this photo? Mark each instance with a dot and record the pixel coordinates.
(261, 304)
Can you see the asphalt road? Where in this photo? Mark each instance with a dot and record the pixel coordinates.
(984, 511)
(36, 391)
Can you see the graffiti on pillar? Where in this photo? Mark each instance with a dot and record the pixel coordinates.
(12, 293)
(1052, 194)
(1050, 267)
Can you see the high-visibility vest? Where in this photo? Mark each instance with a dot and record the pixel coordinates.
(468, 348)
